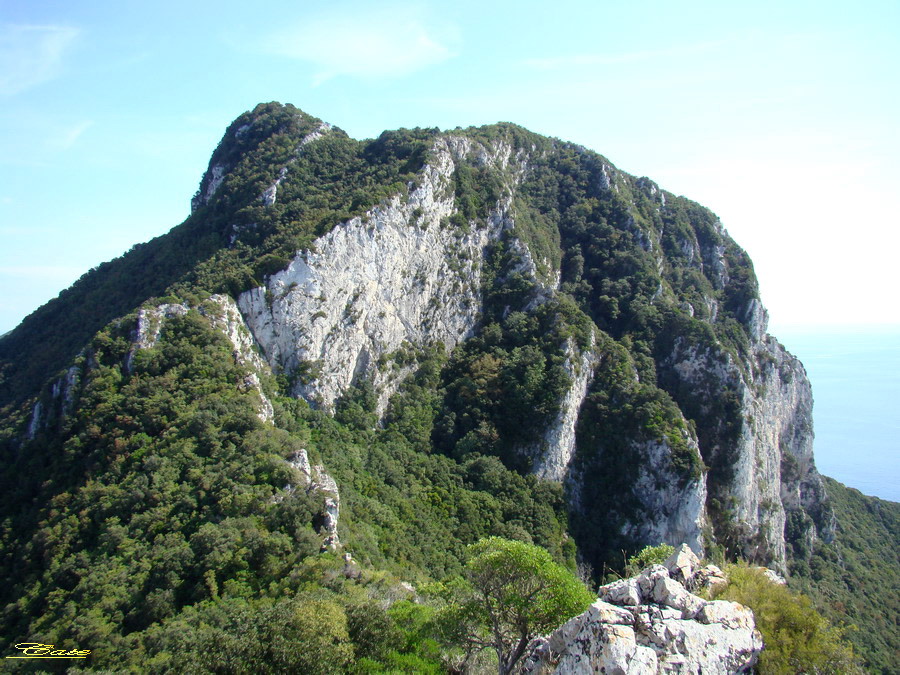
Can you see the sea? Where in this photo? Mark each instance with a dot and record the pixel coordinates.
(855, 376)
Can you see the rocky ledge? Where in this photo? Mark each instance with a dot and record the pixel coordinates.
(652, 623)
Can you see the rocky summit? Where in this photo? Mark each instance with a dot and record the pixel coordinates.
(651, 624)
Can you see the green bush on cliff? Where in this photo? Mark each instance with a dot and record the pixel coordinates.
(797, 638)
(649, 555)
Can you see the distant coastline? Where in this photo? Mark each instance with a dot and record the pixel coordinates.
(855, 376)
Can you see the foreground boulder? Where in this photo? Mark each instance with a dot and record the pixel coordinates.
(652, 624)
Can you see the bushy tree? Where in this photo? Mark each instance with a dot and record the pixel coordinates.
(513, 592)
(797, 638)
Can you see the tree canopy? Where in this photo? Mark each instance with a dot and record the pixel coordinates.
(514, 591)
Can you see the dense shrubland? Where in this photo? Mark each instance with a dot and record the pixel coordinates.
(155, 511)
(798, 639)
(853, 580)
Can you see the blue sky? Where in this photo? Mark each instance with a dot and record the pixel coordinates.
(783, 117)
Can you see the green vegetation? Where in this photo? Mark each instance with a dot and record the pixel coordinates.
(504, 385)
(797, 638)
(158, 512)
(856, 575)
(514, 592)
(647, 556)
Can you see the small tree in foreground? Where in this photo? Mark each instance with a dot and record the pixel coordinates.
(513, 592)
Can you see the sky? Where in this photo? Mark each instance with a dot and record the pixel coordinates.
(783, 117)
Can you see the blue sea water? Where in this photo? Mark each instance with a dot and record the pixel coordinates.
(855, 376)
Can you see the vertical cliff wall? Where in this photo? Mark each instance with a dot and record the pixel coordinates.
(398, 275)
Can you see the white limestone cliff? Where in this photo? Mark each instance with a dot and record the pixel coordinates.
(671, 509)
(397, 276)
(770, 467)
(313, 479)
(554, 451)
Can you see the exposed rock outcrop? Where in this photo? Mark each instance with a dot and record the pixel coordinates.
(57, 403)
(228, 319)
(147, 327)
(760, 449)
(671, 509)
(313, 479)
(397, 276)
(554, 451)
(652, 624)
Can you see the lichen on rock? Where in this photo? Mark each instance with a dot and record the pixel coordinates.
(652, 624)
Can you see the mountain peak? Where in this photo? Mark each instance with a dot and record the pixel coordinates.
(262, 129)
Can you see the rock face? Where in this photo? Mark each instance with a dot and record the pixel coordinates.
(553, 453)
(652, 624)
(313, 479)
(670, 510)
(397, 276)
(766, 457)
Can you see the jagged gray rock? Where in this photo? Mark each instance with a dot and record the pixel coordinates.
(651, 624)
(313, 479)
(671, 509)
(771, 472)
(682, 564)
(554, 451)
(707, 578)
(396, 276)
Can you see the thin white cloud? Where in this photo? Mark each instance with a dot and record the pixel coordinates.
(593, 60)
(31, 55)
(68, 136)
(369, 43)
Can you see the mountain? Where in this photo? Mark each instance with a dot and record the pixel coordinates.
(384, 350)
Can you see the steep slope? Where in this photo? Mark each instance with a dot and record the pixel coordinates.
(855, 575)
(495, 330)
